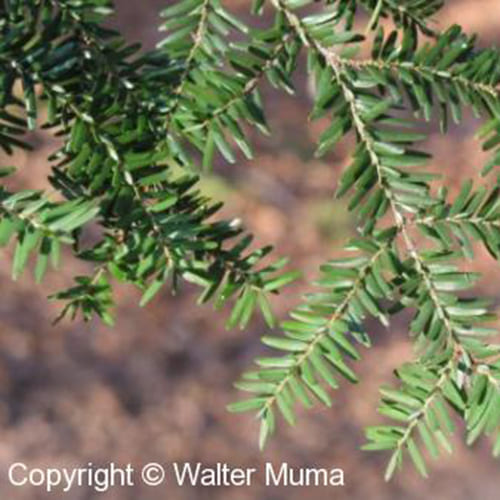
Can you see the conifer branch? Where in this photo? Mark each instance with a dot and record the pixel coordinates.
(198, 39)
(323, 332)
(128, 122)
(250, 86)
(422, 70)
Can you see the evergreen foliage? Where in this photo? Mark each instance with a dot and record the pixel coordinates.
(135, 126)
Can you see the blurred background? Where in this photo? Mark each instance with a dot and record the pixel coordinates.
(155, 387)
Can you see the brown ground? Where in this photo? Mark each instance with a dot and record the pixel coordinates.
(154, 388)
